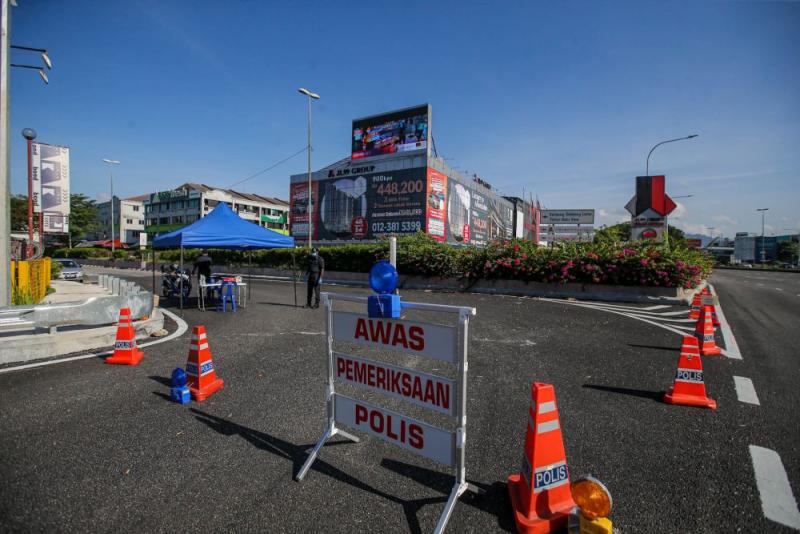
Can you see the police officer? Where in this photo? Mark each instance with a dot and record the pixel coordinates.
(316, 268)
(202, 266)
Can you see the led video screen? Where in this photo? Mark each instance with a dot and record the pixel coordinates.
(406, 130)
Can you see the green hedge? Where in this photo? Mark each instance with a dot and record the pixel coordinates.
(633, 264)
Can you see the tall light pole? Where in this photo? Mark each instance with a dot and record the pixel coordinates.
(647, 172)
(5, 153)
(309, 210)
(110, 163)
(30, 134)
(763, 252)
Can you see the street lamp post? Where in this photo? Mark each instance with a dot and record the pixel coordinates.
(309, 211)
(111, 162)
(647, 172)
(30, 134)
(763, 252)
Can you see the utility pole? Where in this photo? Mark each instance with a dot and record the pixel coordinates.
(309, 204)
(5, 154)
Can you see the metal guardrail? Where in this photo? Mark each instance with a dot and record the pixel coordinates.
(94, 311)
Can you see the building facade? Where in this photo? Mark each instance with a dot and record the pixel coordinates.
(166, 211)
(748, 248)
(129, 220)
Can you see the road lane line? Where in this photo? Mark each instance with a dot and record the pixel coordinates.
(745, 390)
(778, 289)
(731, 349)
(777, 500)
(665, 327)
(182, 327)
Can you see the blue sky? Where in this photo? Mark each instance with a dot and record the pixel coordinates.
(562, 99)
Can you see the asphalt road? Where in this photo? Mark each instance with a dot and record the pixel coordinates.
(94, 447)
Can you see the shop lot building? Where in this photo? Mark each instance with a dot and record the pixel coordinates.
(166, 211)
(392, 185)
(129, 220)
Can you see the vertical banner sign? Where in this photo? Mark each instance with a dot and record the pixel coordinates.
(53, 173)
(36, 178)
(436, 211)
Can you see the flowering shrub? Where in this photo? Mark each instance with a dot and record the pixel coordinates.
(630, 264)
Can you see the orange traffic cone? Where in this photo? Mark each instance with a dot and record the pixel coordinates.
(707, 299)
(201, 376)
(704, 330)
(694, 312)
(540, 494)
(689, 388)
(125, 350)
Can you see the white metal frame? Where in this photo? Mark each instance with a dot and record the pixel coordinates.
(459, 470)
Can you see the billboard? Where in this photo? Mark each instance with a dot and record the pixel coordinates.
(436, 209)
(363, 205)
(475, 215)
(50, 175)
(405, 130)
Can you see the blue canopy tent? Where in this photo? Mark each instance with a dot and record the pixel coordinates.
(221, 228)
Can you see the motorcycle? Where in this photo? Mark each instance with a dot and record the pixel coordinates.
(172, 278)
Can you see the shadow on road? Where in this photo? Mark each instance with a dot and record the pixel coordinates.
(494, 500)
(280, 304)
(297, 454)
(652, 395)
(163, 380)
(654, 347)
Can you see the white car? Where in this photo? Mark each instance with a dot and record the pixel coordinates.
(70, 269)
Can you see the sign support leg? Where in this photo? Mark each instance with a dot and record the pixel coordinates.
(330, 429)
(461, 484)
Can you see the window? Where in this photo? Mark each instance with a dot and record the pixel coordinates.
(128, 221)
(136, 208)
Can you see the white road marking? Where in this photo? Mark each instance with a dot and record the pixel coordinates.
(581, 305)
(731, 349)
(182, 327)
(777, 500)
(745, 390)
(778, 289)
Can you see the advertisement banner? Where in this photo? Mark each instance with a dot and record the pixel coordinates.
(436, 211)
(405, 130)
(363, 205)
(55, 223)
(476, 216)
(50, 171)
(298, 199)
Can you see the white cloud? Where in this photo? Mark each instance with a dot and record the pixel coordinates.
(723, 219)
(679, 211)
(105, 197)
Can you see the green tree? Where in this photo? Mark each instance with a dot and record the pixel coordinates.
(19, 213)
(788, 251)
(82, 215)
(613, 234)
